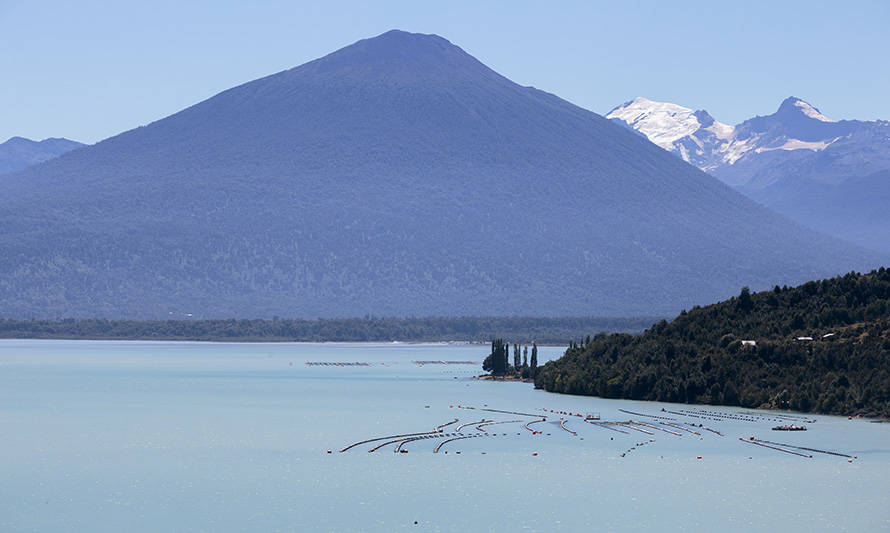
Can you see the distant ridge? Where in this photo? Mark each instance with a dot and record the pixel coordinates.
(18, 153)
(397, 176)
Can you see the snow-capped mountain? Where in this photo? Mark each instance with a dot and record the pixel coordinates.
(796, 161)
(747, 155)
(693, 135)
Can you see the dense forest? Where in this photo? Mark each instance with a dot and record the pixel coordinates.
(821, 347)
(368, 329)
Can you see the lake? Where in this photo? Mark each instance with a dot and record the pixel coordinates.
(164, 436)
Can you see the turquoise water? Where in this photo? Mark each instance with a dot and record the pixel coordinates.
(152, 436)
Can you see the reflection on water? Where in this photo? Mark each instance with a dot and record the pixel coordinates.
(139, 436)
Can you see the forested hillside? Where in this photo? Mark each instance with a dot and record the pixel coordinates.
(821, 347)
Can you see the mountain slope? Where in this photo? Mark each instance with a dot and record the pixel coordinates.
(18, 152)
(855, 209)
(396, 176)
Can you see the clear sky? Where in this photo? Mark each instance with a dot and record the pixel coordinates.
(87, 70)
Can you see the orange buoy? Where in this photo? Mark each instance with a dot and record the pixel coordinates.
(329, 451)
(535, 454)
(698, 456)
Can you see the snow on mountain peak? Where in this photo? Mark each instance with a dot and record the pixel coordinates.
(810, 111)
(662, 122)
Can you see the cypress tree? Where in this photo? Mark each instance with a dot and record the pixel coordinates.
(505, 357)
(517, 360)
(497, 360)
(534, 362)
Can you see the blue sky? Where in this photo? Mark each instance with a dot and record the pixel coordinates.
(87, 70)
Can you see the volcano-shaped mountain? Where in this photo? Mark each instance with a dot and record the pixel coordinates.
(396, 176)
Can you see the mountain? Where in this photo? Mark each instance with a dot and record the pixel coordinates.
(693, 135)
(796, 161)
(18, 152)
(397, 176)
(855, 209)
(820, 347)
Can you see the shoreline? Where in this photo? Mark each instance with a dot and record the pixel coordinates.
(873, 418)
(261, 340)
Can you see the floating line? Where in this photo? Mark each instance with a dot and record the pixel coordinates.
(607, 425)
(649, 416)
(672, 432)
(629, 425)
(444, 442)
(803, 448)
(479, 427)
(460, 427)
(775, 448)
(439, 428)
(527, 424)
(562, 425)
(681, 428)
(389, 437)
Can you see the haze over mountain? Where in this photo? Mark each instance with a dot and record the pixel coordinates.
(396, 176)
(797, 161)
(18, 153)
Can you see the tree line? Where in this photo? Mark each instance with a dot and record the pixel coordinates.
(367, 329)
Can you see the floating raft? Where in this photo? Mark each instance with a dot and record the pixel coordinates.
(790, 428)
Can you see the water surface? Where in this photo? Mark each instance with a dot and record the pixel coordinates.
(153, 436)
